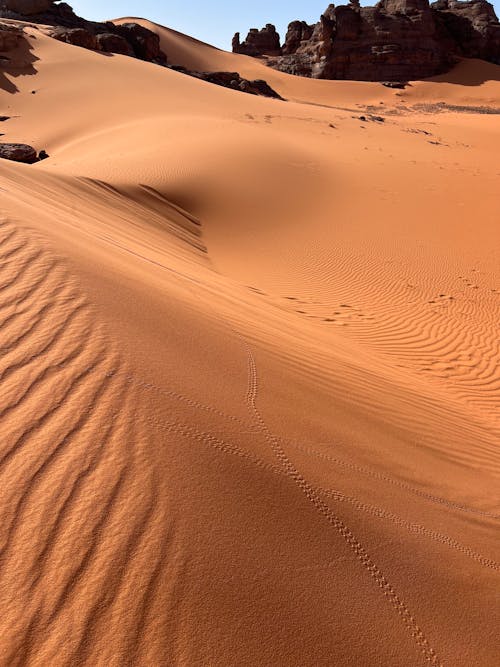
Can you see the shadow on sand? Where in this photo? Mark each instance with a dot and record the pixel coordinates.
(469, 72)
(15, 63)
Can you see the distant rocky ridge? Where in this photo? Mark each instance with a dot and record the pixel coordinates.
(129, 39)
(396, 40)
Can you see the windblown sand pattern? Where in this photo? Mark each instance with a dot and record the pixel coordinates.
(249, 367)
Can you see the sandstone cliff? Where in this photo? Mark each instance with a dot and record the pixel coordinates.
(395, 40)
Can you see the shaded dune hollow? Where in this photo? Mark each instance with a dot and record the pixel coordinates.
(249, 365)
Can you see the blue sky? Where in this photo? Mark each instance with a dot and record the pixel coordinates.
(216, 21)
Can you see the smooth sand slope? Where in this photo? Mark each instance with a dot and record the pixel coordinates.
(249, 367)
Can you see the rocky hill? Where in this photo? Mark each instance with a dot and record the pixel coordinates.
(394, 40)
(129, 39)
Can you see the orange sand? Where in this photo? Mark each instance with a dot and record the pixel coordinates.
(249, 367)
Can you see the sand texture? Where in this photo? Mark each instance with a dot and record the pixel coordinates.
(249, 366)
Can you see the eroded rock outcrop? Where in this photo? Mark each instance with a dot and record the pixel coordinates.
(397, 40)
(265, 42)
(108, 42)
(10, 37)
(75, 36)
(28, 7)
(298, 32)
(47, 12)
(234, 81)
(472, 28)
(144, 42)
(129, 39)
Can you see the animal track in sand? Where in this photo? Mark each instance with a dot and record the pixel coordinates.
(257, 290)
(420, 322)
(312, 494)
(345, 316)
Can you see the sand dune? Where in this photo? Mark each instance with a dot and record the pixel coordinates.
(471, 81)
(250, 366)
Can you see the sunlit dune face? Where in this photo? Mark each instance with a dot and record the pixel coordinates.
(219, 169)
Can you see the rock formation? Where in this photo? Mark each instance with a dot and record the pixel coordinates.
(75, 36)
(298, 32)
(396, 40)
(48, 12)
(28, 7)
(18, 153)
(10, 36)
(108, 42)
(129, 39)
(471, 26)
(233, 80)
(144, 42)
(265, 42)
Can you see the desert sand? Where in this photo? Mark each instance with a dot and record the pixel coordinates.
(249, 366)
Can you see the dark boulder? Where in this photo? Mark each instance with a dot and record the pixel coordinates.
(111, 43)
(75, 36)
(145, 43)
(236, 82)
(232, 80)
(259, 87)
(18, 153)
